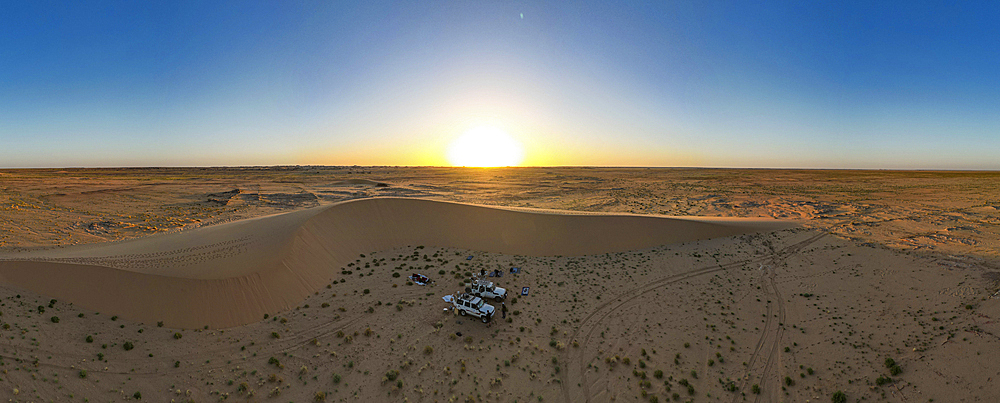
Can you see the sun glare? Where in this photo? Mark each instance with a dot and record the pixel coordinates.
(485, 147)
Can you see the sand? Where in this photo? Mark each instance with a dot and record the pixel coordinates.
(618, 291)
(233, 274)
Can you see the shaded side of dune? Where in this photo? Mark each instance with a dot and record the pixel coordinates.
(314, 253)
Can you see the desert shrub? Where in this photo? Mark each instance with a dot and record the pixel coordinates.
(838, 397)
(137, 395)
(658, 374)
(177, 335)
(882, 380)
(275, 335)
(391, 374)
(889, 362)
(83, 373)
(159, 324)
(55, 319)
(128, 346)
(274, 361)
(90, 339)
(325, 305)
(428, 349)
(336, 378)
(320, 396)
(395, 274)
(789, 381)
(755, 389)
(895, 370)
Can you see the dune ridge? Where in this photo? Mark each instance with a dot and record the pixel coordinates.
(232, 274)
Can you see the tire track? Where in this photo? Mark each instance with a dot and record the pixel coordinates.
(604, 310)
(772, 331)
(589, 324)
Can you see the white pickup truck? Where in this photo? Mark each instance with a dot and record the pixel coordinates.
(485, 289)
(467, 304)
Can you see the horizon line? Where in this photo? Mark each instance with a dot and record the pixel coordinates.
(501, 167)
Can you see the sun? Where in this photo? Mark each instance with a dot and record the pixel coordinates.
(485, 147)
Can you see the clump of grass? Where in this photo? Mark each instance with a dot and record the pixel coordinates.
(428, 350)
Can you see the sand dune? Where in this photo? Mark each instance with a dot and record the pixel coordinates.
(233, 274)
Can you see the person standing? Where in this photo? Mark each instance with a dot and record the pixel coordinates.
(503, 309)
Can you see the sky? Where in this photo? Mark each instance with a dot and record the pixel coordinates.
(816, 84)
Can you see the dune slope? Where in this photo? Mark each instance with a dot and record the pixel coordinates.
(233, 274)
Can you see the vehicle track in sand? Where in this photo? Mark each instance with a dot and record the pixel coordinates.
(589, 324)
(773, 331)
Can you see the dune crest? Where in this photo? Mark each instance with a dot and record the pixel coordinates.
(233, 274)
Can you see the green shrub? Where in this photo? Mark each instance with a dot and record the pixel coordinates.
(90, 339)
(55, 319)
(83, 373)
(137, 395)
(658, 374)
(838, 397)
(275, 335)
(895, 370)
(178, 335)
(889, 362)
(128, 346)
(755, 389)
(336, 378)
(395, 274)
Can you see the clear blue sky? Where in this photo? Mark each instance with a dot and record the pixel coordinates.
(841, 84)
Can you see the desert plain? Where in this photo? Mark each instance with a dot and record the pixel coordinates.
(646, 285)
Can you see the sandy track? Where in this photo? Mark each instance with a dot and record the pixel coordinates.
(772, 332)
